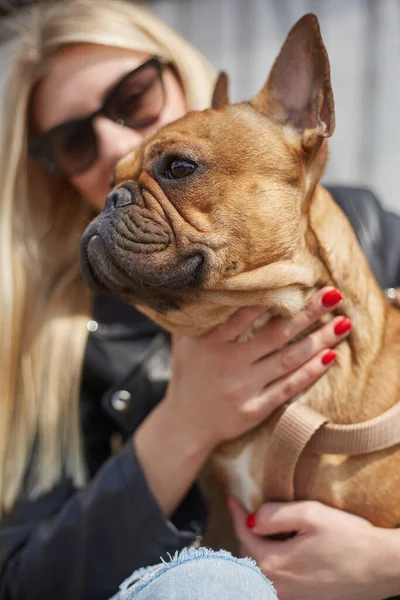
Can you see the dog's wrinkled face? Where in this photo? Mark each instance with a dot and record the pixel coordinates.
(209, 213)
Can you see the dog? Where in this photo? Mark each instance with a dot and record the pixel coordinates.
(223, 209)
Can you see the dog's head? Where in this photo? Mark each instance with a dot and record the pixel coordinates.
(210, 213)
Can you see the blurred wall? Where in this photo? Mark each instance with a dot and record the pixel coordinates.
(363, 42)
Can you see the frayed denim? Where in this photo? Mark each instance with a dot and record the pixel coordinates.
(198, 574)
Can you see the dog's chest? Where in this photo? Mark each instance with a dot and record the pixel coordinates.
(238, 476)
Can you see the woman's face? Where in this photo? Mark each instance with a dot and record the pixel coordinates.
(78, 79)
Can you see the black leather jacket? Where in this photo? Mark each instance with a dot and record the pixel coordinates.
(73, 545)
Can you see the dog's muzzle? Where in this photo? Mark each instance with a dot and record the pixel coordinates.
(129, 249)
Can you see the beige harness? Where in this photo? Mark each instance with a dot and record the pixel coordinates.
(302, 435)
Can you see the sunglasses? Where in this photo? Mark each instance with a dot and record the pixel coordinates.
(136, 101)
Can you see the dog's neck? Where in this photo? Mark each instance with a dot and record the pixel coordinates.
(341, 263)
(344, 265)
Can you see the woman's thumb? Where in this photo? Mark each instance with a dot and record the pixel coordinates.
(274, 518)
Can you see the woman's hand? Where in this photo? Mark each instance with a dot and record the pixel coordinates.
(334, 556)
(221, 388)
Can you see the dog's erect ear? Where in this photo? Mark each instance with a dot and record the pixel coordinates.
(298, 90)
(220, 95)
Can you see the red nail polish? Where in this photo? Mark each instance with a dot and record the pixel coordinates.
(328, 357)
(251, 520)
(331, 298)
(343, 326)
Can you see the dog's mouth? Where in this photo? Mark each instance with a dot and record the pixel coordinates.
(99, 270)
(148, 278)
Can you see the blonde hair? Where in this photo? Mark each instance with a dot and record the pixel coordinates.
(44, 304)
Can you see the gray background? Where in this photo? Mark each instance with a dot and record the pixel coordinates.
(362, 37)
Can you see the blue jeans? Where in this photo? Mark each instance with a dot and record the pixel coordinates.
(198, 574)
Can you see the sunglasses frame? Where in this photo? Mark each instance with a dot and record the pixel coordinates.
(38, 146)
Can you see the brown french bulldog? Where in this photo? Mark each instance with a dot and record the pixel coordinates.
(223, 209)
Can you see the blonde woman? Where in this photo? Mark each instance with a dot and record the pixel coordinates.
(98, 453)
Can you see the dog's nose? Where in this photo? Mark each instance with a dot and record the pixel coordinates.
(122, 196)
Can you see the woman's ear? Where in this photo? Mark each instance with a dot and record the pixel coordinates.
(220, 95)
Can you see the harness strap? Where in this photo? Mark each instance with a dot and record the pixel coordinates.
(291, 434)
(376, 434)
(300, 426)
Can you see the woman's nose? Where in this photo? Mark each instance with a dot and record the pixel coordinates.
(114, 141)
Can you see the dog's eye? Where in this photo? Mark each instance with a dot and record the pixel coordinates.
(178, 168)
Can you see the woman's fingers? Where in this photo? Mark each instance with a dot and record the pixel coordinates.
(279, 332)
(237, 324)
(292, 357)
(286, 388)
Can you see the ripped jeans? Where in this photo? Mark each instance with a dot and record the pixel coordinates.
(198, 574)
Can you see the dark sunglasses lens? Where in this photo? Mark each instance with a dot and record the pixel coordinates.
(135, 102)
(72, 147)
(138, 100)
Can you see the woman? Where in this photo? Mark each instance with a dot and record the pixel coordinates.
(97, 459)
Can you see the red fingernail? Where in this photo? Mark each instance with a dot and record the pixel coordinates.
(343, 326)
(331, 298)
(328, 357)
(251, 520)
